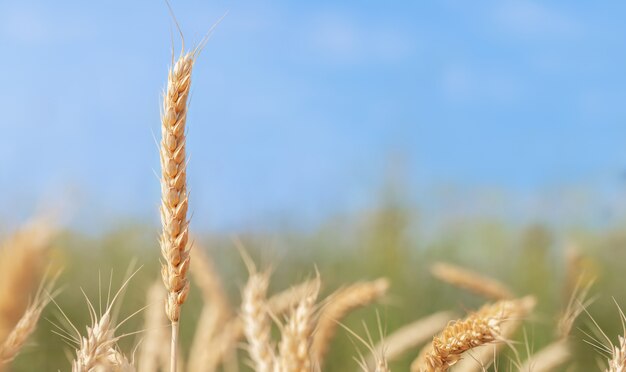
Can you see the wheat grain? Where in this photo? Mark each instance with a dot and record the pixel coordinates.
(340, 304)
(471, 281)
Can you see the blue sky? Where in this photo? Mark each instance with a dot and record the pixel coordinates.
(301, 110)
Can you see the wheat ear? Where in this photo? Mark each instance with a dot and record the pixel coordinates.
(479, 328)
(16, 339)
(340, 304)
(482, 356)
(22, 263)
(296, 335)
(471, 281)
(99, 346)
(174, 197)
(256, 322)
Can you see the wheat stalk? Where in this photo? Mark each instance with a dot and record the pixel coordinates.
(340, 304)
(295, 343)
(471, 281)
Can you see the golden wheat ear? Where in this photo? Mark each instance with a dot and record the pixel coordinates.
(23, 260)
(481, 357)
(471, 281)
(97, 350)
(27, 324)
(479, 328)
(257, 325)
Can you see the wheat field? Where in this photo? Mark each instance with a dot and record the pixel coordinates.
(137, 299)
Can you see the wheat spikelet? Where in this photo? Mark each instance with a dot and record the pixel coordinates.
(479, 328)
(296, 335)
(412, 335)
(382, 365)
(548, 358)
(114, 361)
(256, 321)
(340, 304)
(471, 281)
(154, 348)
(617, 363)
(288, 298)
(16, 339)
(22, 262)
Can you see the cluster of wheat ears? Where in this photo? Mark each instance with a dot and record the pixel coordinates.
(305, 323)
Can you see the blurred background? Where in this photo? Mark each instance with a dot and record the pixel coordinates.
(368, 139)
